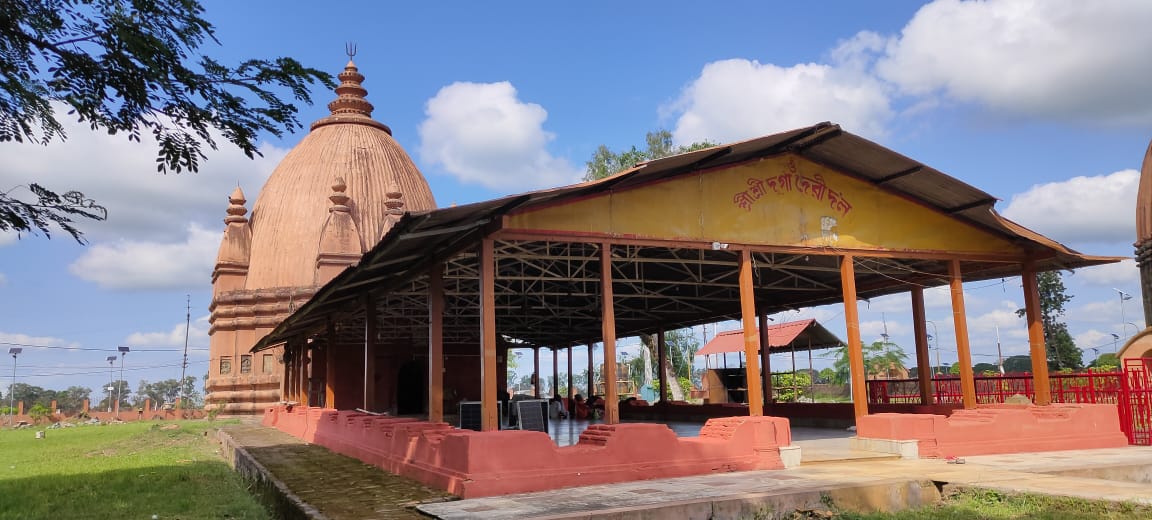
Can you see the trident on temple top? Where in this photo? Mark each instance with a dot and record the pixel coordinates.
(350, 49)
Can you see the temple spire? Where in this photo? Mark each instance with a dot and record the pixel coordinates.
(351, 105)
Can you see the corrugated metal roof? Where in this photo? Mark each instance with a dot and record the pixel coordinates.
(798, 335)
(420, 239)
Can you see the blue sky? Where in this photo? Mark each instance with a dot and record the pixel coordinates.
(1044, 106)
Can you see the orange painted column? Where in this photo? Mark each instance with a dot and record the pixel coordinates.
(752, 376)
(661, 360)
(855, 347)
(436, 343)
(766, 358)
(555, 374)
(591, 370)
(330, 366)
(608, 330)
(923, 360)
(85, 407)
(1037, 349)
(536, 372)
(490, 415)
(369, 352)
(571, 392)
(960, 318)
(306, 353)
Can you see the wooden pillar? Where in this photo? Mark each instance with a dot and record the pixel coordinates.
(369, 352)
(536, 372)
(855, 347)
(330, 366)
(608, 330)
(960, 318)
(319, 374)
(85, 406)
(436, 343)
(306, 351)
(147, 406)
(661, 360)
(289, 371)
(923, 360)
(591, 369)
(1037, 349)
(555, 374)
(571, 381)
(490, 416)
(766, 358)
(752, 376)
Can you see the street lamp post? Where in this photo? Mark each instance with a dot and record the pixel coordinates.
(110, 359)
(14, 351)
(1123, 296)
(123, 352)
(936, 336)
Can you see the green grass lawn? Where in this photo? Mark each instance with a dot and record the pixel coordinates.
(120, 471)
(991, 505)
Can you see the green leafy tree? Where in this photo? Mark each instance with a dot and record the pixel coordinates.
(125, 392)
(32, 395)
(130, 67)
(788, 387)
(826, 376)
(1105, 361)
(880, 359)
(166, 391)
(72, 399)
(1018, 364)
(1061, 348)
(39, 413)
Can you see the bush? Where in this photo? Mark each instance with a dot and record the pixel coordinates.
(39, 412)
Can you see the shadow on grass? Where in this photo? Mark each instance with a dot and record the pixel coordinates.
(189, 490)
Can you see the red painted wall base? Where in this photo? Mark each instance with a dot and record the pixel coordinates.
(1001, 428)
(475, 464)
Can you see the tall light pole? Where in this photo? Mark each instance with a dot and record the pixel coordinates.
(14, 351)
(123, 352)
(936, 336)
(1115, 343)
(111, 359)
(184, 365)
(1123, 322)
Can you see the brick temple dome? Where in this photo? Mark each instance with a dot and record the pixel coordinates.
(290, 213)
(328, 202)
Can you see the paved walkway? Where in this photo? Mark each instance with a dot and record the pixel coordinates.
(341, 487)
(872, 484)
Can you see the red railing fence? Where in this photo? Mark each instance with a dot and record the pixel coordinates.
(1129, 387)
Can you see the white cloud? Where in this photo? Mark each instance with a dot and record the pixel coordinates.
(1068, 59)
(121, 175)
(1090, 339)
(8, 237)
(3, 280)
(737, 98)
(33, 341)
(197, 336)
(1082, 209)
(1121, 273)
(482, 133)
(132, 264)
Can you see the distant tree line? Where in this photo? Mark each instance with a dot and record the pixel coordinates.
(71, 400)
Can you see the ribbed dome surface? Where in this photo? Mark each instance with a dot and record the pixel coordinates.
(291, 210)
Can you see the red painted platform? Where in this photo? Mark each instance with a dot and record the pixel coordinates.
(476, 464)
(1001, 428)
